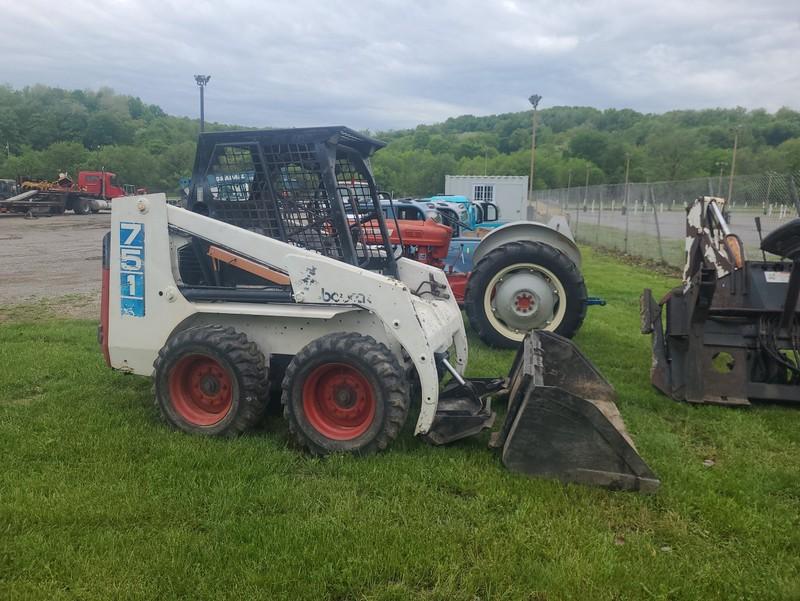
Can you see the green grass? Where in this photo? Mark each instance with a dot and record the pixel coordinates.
(98, 500)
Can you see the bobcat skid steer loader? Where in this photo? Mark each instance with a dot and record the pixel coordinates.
(218, 314)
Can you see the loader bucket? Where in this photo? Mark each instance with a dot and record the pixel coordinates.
(563, 423)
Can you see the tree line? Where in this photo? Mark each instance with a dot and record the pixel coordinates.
(573, 142)
(44, 130)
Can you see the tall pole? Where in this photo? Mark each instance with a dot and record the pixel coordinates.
(733, 166)
(202, 81)
(721, 165)
(534, 100)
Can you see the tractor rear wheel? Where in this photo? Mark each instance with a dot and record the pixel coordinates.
(345, 392)
(523, 286)
(210, 380)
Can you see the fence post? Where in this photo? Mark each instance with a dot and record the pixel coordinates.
(597, 228)
(569, 185)
(627, 222)
(658, 228)
(793, 194)
(769, 186)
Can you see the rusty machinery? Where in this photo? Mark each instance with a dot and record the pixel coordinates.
(731, 334)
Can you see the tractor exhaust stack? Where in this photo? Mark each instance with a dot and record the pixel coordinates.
(563, 422)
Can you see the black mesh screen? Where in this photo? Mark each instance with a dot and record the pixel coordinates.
(362, 209)
(284, 191)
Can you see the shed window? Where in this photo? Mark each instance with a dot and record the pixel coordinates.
(483, 193)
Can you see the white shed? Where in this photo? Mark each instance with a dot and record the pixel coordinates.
(508, 192)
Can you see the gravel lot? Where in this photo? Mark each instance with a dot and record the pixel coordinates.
(52, 257)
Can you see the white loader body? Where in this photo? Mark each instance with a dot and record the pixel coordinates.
(146, 306)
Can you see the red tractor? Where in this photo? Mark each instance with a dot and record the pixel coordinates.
(510, 280)
(509, 277)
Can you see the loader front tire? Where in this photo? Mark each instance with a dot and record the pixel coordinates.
(345, 393)
(210, 380)
(523, 286)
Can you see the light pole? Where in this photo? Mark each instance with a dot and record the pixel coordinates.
(733, 164)
(721, 165)
(534, 100)
(202, 81)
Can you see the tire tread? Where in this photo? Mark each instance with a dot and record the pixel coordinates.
(243, 354)
(531, 252)
(385, 367)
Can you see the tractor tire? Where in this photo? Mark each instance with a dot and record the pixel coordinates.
(81, 206)
(543, 289)
(210, 380)
(345, 393)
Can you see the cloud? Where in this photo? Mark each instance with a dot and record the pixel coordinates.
(389, 63)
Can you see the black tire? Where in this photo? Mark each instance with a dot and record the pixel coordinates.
(537, 253)
(230, 362)
(375, 366)
(81, 206)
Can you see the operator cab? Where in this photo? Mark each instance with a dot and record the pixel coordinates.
(308, 187)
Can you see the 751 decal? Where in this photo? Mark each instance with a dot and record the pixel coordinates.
(131, 268)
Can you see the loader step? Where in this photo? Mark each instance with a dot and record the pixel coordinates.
(269, 294)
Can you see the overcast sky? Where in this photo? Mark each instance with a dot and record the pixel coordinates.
(383, 64)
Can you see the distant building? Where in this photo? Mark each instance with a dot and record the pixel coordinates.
(508, 192)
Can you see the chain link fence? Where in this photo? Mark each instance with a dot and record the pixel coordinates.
(648, 220)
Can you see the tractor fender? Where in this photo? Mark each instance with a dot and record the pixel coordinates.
(556, 234)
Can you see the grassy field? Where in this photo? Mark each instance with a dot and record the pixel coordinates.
(98, 500)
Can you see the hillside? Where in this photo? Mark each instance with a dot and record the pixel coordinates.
(674, 145)
(44, 130)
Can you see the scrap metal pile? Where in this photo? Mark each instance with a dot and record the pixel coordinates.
(731, 334)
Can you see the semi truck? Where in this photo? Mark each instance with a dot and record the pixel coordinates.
(92, 192)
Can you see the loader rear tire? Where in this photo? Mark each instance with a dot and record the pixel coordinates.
(345, 393)
(210, 380)
(540, 270)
